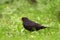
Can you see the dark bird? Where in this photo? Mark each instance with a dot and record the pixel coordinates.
(30, 25)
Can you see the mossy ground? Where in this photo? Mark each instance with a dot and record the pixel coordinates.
(45, 12)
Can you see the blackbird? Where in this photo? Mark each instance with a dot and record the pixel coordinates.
(30, 25)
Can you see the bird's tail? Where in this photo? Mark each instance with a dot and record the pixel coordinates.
(51, 27)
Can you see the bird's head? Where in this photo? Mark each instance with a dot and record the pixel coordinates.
(24, 18)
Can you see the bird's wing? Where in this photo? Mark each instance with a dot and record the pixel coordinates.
(30, 23)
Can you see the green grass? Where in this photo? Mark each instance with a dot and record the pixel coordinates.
(45, 12)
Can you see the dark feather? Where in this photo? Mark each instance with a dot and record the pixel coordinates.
(30, 25)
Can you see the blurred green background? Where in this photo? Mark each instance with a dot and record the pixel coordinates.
(44, 12)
